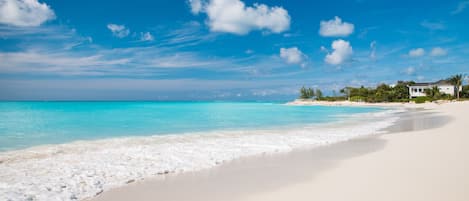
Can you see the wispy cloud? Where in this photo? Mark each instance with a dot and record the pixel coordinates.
(438, 51)
(409, 70)
(185, 34)
(460, 8)
(57, 63)
(373, 50)
(119, 31)
(418, 52)
(433, 25)
(51, 37)
(147, 36)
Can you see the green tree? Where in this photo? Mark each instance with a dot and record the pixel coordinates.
(303, 93)
(401, 90)
(310, 93)
(318, 94)
(465, 91)
(456, 80)
(433, 92)
(346, 92)
(383, 93)
(306, 93)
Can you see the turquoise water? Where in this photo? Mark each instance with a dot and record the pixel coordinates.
(26, 124)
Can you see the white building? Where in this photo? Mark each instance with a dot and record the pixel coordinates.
(418, 89)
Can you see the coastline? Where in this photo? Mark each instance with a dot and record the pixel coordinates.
(411, 164)
(421, 165)
(84, 169)
(302, 102)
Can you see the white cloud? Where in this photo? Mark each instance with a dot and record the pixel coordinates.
(438, 51)
(233, 16)
(373, 50)
(461, 7)
(146, 36)
(342, 51)
(417, 52)
(24, 13)
(335, 27)
(119, 31)
(409, 70)
(292, 55)
(196, 6)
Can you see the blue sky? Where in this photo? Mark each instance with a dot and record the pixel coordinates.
(223, 49)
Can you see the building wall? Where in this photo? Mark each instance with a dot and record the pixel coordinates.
(418, 91)
(446, 89)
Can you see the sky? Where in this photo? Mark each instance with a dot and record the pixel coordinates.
(223, 49)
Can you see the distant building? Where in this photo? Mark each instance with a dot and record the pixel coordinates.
(418, 89)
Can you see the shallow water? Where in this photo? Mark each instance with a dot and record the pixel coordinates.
(27, 124)
(121, 142)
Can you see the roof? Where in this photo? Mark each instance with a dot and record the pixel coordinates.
(439, 82)
(421, 84)
(443, 82)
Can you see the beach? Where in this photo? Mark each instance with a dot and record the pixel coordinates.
(48, 150)
(424, 160)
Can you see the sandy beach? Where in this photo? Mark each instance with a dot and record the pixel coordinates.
(422, 159)
(302, 102)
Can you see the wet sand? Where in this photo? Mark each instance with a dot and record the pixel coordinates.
(362, 168)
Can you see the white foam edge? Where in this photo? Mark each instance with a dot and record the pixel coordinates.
(82, 169)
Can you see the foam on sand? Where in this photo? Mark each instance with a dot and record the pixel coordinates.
(83, 169)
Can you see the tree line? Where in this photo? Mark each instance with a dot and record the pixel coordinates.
(387, 93)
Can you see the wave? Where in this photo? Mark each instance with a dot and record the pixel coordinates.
(83, 169)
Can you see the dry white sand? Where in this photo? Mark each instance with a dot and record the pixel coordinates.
(431, 164)
(350, 103)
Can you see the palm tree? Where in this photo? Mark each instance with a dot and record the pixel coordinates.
(318, 94)
(433, 92)
(456, 80)
(310, 93)
(303, 93)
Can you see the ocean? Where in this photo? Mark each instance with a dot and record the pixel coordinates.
(75, 150)
(27, 124)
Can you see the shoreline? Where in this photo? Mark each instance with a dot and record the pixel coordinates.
(85, 169)
(308, 102)
(282, 176)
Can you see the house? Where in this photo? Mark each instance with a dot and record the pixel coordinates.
(418, 89)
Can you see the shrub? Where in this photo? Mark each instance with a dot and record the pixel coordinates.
(333, 98)
(422, 99)
(357, 99)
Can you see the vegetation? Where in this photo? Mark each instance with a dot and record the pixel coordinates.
(422, 99)
(333, 98)
(318, 94)
(310, 93)
(465, 91)
(387, 93)
(456, 80)
(433, 93)
(382, 93)
(306, 93)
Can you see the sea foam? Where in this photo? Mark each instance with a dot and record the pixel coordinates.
(83, 169)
